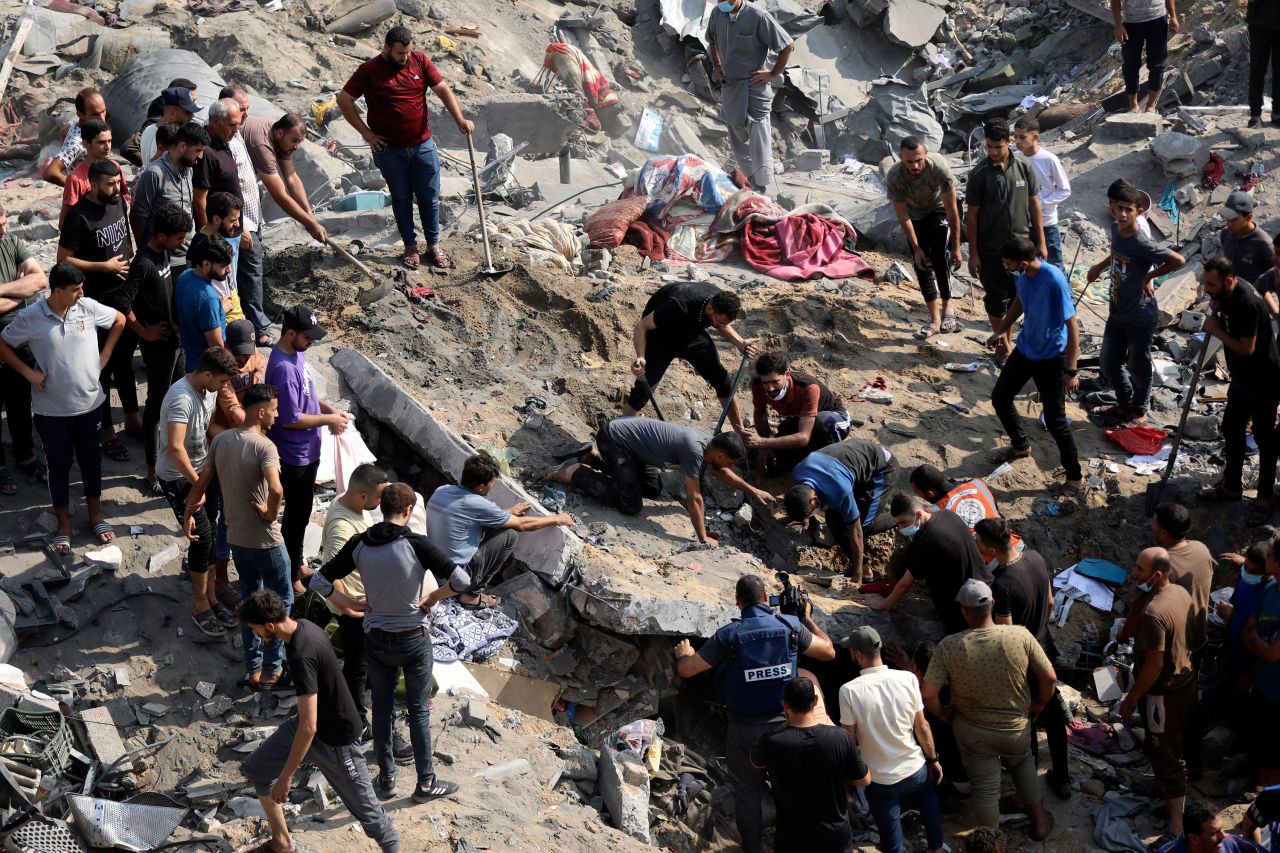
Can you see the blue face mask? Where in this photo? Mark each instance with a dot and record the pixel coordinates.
(1145, 587)
(725, 7)
(912, 530)
(1250, 579)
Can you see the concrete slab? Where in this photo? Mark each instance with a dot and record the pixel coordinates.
(544, 121)
(101, 735)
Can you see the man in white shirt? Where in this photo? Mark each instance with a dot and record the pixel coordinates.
(884, 712)
(1055, 188)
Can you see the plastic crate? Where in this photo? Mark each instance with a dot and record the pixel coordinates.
(56, 755)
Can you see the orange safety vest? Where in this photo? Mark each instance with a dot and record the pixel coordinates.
(972, 501)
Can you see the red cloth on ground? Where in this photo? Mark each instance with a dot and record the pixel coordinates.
(801, 247)
(607, 225)
(649, 237)
(1143, 441)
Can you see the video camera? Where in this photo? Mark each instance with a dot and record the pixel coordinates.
(792, 600)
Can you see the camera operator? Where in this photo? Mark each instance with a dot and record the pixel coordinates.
(756, 655)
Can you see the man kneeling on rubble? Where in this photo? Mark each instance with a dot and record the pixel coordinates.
(630, 453)
(325, 732)
(972, 500)
(757, 656)
(812, 416)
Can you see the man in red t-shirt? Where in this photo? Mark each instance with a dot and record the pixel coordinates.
(394, 85)
(95, 135)
(812, 416)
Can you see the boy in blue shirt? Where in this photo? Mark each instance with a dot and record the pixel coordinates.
(1045, 353)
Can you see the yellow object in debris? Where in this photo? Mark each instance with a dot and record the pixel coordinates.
(320, 110)
(446, 44)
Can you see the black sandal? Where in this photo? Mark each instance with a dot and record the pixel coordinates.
(208, 624)
(114, 448)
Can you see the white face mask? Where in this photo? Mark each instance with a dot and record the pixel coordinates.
(1250, 579)
(993, 563)
(782, 392)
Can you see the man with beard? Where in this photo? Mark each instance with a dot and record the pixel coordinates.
(394, 85)
(169, 181)
(95, 238)
(202, 321)
(271, 148)
(223, 210)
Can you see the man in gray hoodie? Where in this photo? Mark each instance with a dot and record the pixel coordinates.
(399, 569)
(169, 181)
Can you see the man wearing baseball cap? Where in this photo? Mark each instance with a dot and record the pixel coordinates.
(297, 430)
(883, 710)
(179, 108)
(991, 704)
(1246, 245)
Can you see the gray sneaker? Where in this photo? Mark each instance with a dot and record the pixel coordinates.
(401, 748)
(434, 790)
(384, 786)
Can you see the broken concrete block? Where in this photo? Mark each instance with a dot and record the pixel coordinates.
(1180, 155)
(475, 713)
(580, 763)
(1178, 293)
(205, 689)
(161, 560)
(681, 137)
(912, 22)
(542, 610)
(100, 735)
(744, 516)
(514, 767)
(624, 784)
(811, 159)
(352, 17)
(1250, 137)
(217, 706)
(545, 121)
(155, 709)
(1201, 427)
(1121, 127)
(121, 678)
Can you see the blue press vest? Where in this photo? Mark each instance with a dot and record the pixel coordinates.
(761, 652)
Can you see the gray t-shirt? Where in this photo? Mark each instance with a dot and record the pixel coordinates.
(922, 195)
(457, 520)
(66, 351)
(745, 40)
(659, 443)
(1131, 259)
(1141, 11)
(183, 404)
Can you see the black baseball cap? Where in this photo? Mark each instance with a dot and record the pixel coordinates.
(241, 339)
(176, 96)
(300, 318)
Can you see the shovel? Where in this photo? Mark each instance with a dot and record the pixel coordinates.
(724, 412)
(488, 271)
(369, 295)
(644, 384)
(1158, 493)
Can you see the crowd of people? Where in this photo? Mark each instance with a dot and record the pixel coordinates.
(166, 263)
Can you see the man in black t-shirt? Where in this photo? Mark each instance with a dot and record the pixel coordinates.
(1022, 594)
(674, 325)
(1242, 322)
(95, 237)
(147, 304)
(216, 171)
(325, 733)
(811, 766)
(942, 552)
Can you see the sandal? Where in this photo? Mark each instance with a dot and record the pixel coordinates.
(8, 485)
(1067, 489)
(262, 341)
(230, 597)
(268, 847)
(1112, 411)
(439, 259)
(925, 332)
(224, 615)
(411, 259)
(1218, 494)
(208, 624)
(35, 469)
(115, 449)
(105, 533)
(60, 543)
(950, 325)
(1009, 454)
(1132, 422)
(152, 487)
(484, 601)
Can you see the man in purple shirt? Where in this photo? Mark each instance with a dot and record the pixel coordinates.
(296, 432)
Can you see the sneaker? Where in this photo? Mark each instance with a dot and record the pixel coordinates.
(384, 786)
(434, 790)
(401, 749)
(1255, 121)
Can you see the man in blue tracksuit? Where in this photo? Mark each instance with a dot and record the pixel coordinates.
(853, 481)
(756, 655)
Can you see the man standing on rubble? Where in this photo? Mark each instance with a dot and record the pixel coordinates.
(812, 416)
(325, 732)
(1003, 198)
(757, 656)
(742, 36)
(216, 171)
(21, 279)
(1163, 680)
(1139, 24)
(271, 147)
(249, 263)
(1243, 243)
(674, 325)
(394, 86)
(852, 480)
(169, 181)
(89, 105)
(923, 192)
(1241, 321)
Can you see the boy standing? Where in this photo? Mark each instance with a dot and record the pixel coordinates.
(1055, 188)
(1126, 340)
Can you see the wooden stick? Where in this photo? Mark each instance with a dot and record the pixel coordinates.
(15, 50)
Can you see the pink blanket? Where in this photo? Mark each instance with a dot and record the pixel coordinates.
(801, 247)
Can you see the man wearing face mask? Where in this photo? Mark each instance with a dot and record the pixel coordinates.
(1239, 610)
(812, 416)
(942, 553)
(1022, 595)
(742, 36)
(1046, 352)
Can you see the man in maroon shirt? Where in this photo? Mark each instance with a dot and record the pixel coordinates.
(812, 416)
(394, 85)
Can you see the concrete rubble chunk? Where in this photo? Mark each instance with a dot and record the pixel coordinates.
(912, 23)
(217, 706)
(544, 121)
(811, 159)
(511, 769)
(580, 763)
(1179, 292)
(351, 17)
(475, 713)
(155, 709)
(101, 736)
(205, 689)
(624, 784)
(544, 612)
(1121, 127)
(1180, 155)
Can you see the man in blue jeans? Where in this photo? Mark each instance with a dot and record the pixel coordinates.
(1135, 263)
(394, 85)
(247, 466)
(883, 711)
(398, 568)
